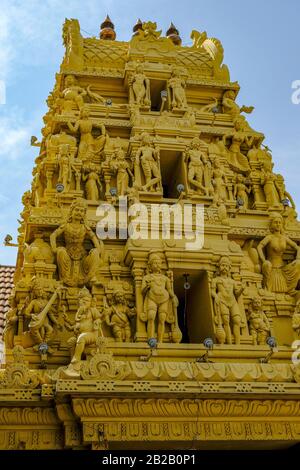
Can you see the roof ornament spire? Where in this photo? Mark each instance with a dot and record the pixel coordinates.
(173, 34)
(107, 30)
(138, 26)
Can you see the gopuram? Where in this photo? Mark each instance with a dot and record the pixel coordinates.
(157, 341)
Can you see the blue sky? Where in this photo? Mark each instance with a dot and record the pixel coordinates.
(261, 40)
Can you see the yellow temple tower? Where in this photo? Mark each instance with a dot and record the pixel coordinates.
(156, 298)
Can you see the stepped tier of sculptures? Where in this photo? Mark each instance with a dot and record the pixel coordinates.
(157, 135)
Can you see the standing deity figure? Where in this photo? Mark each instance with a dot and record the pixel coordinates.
(296, 320)
(41, 313)
(93, 186)
(139, 87)
(118, 315)
(88, 146)
(160, 301)
(176, 86)
(87, 329)
(65, 166)
(270, 185)
(219, 182)
(241, 191)
(148, 157)
(198, 163)
(75, 266)
(121, 167)
(259, 325)
(279, 276)
(225, 292)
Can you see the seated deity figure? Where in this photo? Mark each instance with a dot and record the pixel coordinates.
(87, 329)
(176, 85)
(237, 160)
(232, 108)
(77, 268)
(140, 87)
(279, 276)
(160, 301)
(88, 146)
(148, 157)
(197, 165)
(72, 94)
(118, 315)
(259, 325)
(225, 292)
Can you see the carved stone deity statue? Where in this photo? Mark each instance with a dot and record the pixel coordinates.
(121, 167)
(241, 191)
(176, 86)
(118, 315)
(65, 166)
(93, 186)
(279, 276)
(87, 329)
(139, 87)
(232, 108)
(225, 292)
(160, 301)
(259, 325)
(75, 266)
(148, 158)
(88, 146)
(270, 185)
(236, 159)
(219, 182)
(42, 313)
(198, 163)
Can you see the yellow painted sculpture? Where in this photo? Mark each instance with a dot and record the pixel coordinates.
(156, 296)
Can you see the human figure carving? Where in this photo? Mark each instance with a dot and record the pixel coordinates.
(197, 162)
(241, 191)
(176, 85)
(148, 157)
(270, 185)
(87, 329)
(279, 276)
(88, 146)
(118, 315)
(225, 292)
(140, 87)
(121, 167)
(75, 266)
(259, 325)
(219, 182)
(93, 186)
(160, 301)
(41, 313)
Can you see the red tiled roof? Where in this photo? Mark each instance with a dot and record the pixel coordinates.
(6, 285)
